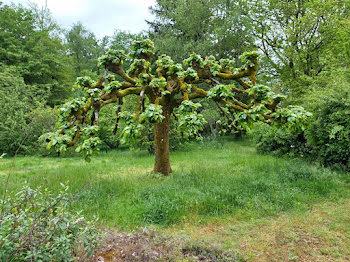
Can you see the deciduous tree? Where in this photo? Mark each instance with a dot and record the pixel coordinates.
(30, 44)
(169, 89)
(215, 27)
(297, 38)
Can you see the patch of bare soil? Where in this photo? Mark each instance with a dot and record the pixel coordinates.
(149, 245)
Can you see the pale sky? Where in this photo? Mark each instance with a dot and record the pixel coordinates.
(101, 17)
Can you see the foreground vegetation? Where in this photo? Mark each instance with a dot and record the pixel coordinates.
(211, 180)
(221, 192)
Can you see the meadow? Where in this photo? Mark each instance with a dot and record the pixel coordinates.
(220, 191)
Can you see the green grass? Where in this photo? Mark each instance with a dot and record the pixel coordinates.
(210, 181)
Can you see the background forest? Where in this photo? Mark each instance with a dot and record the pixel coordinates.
(305, 55)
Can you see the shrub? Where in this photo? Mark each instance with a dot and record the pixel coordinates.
(42, 120)
(329, 134)
(36, 226)
(23, 116)
(14, 105)
(326, 138)
(279, 140)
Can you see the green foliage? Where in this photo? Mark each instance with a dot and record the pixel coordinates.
(71, 106)
(190, 122)
(141, 47)
(329, 134)
(35, 51)
(23, 116)
(292, 53)
(107, 122)
(261, 92)
(83, 82)
(112, 86)
(153, 113)
(265, 94)
(164, 61)
(84, 49)
(257, 112)
(190, 74)
(60, 139)
(293, 117)
(220, 91)
(246, 58)
(218, 27)
(37, 226)
(325, 136)
(279, 140)
(143, 79)
(121, 40)
(158, 83)
(175, 69)
(42, 120)
(131, 133)
(215, 69)
(138, 64)
(111, 56)
(227, 63)
(90, 142)
(226, 127)
(194, 58)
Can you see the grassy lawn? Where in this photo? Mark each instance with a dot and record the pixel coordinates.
(267, 208)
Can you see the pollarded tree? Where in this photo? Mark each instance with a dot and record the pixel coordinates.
(171, 89)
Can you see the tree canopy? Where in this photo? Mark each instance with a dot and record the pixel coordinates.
(217, 28)
(34, 50)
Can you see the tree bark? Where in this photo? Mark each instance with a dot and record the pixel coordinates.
(161, 139)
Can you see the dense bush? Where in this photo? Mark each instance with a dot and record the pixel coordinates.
(13, 108)
(36, 226)
(279, 140)
(23, 116)
(326, 138)
(329, 133)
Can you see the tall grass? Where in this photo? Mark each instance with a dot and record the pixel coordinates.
(210, 180)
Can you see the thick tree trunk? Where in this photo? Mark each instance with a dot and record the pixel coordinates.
(161, 139)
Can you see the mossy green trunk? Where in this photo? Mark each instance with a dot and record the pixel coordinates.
(161, 139)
